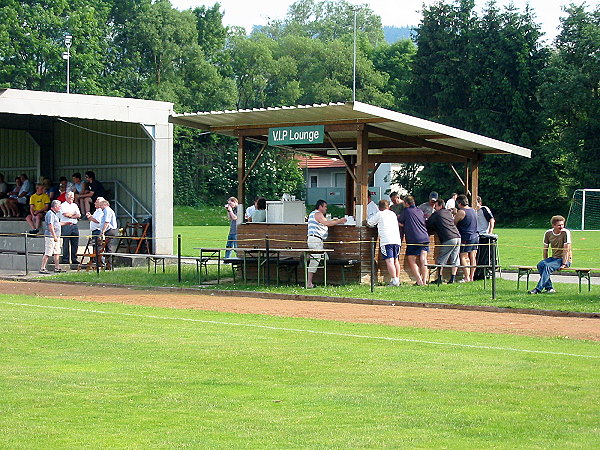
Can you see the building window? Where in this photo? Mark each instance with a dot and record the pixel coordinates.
(313, 181)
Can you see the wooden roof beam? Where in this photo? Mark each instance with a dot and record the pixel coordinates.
(422, 142)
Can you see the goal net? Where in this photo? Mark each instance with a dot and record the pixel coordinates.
(584, 213)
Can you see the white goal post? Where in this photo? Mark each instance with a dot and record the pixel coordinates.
(584, 213)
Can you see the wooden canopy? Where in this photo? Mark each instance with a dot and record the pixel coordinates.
(359, 134)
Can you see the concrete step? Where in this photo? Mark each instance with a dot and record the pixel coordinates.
(10, 226)
(35, 243)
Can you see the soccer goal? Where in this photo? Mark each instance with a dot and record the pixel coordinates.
(585, 210)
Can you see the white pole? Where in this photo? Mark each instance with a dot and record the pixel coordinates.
(354, 62)
(583, 211)
(68, 69)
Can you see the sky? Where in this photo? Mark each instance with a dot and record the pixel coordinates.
(247, 13)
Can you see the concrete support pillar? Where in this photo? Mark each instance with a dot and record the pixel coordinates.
(162, 183)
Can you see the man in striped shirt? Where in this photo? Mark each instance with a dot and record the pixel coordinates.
(318, 229)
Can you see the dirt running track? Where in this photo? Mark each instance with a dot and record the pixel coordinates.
(445, 319)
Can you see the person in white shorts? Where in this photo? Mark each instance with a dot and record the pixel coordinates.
(52, 245)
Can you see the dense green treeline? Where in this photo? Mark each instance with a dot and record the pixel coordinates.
(489, 72)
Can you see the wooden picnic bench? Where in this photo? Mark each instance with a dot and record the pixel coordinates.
(581, 272)
(160, 259)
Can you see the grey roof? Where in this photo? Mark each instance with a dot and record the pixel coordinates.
(426, 135)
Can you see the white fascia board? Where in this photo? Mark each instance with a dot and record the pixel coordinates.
(78, 106)
(428, 126)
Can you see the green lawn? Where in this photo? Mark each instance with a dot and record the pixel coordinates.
(517, 246)
(523, 246)
(566, 299)
(92, 375)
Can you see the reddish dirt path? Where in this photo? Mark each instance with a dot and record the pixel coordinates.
(445, 319)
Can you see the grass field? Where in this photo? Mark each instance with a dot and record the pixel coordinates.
(517, 246)
(76, 374)
(566, 299)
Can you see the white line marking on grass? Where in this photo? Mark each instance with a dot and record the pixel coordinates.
(300, 330)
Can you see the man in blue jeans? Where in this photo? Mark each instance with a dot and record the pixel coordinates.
(558, 238)
(231, 207)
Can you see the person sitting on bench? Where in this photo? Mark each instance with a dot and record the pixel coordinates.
(558, 238)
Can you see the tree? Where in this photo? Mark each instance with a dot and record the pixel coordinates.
(571, 99)
(32, 43)
(396, 61)
(483, 74)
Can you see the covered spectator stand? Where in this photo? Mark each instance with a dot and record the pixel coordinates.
(360, 135)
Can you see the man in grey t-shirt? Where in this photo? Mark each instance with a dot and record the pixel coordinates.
(52, 237)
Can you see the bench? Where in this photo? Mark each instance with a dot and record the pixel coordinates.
(581, 272)
(343, 264)
(160, 259)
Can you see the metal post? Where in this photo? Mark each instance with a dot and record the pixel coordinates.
(267, 263)
(372, 265)
(26, 256)
(355, 9)
(97, 256)
(493, 255)
(179, 258)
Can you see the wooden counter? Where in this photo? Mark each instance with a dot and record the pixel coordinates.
(348, 242)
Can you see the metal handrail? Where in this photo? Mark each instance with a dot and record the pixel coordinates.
(135, 203)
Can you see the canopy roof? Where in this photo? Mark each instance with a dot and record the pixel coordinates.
(394, 136)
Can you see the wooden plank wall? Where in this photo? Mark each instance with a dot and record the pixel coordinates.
(348, 242)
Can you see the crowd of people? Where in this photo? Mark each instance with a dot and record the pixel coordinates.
(32, 201)
(458, 226)
(60, 207)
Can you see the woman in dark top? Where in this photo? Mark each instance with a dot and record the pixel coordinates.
(466, 222)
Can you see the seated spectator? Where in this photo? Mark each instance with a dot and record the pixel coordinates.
(26, 191)
(10, 207)
(39, 204)
(54, 190)
(62, 193)
(260, 213)
(3, 185)
(94, 190)
(250, 209)
(79, 188)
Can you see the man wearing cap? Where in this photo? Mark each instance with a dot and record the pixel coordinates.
(427, 207)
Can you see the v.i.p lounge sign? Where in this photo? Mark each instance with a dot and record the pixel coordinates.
(297, 135)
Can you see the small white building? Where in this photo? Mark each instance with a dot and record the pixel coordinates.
(326, 179)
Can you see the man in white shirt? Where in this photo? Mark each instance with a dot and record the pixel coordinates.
(69, 214)
(389, 239)
(371, 207)
(451, 203)
(108, 224)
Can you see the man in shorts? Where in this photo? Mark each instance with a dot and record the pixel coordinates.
(466, 222)
(558, 238)
(389, 239)
(52, 245)
(412, 220)
(442, 223)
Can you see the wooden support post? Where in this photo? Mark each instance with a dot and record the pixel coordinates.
(474, 181)
(467, 179)
(241, 166)
(362, 174)
(350, 187)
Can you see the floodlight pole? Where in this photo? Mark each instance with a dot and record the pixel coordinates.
(67, 56)
(355, 9)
